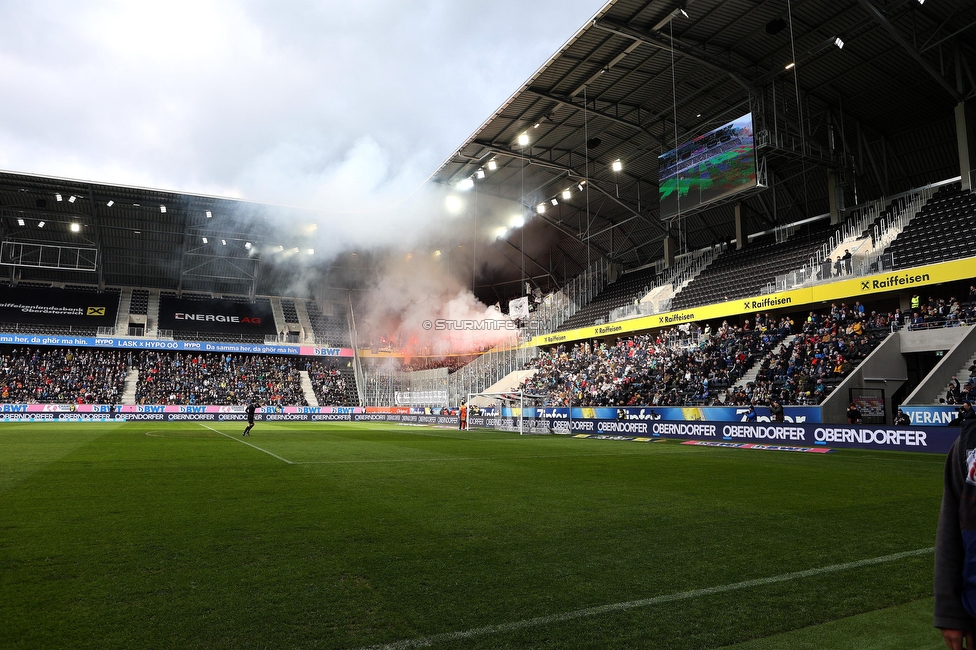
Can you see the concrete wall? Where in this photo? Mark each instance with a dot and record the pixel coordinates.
(885, 368)
(934, 385)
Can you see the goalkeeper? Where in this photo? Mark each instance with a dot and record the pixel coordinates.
(463, 416)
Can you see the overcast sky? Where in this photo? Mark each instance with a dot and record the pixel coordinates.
(284, 102)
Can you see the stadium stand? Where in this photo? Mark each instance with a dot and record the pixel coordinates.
(139, 303)
(625, 290)
(61, 375)
(329, 330)
(221, 379)
(329, 383)
(745, 272)
(942, 231)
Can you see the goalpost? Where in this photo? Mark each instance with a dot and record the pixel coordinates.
(516, 411)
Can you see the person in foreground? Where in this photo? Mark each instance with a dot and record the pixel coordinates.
(251, 408)
(955, 545)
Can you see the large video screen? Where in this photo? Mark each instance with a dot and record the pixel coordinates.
(712, 166)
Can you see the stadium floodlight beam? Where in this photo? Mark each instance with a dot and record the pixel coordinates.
(523, 139)
(465, 184)
(617, 165)
(501, 232)
(518, 220)
(567, 195)
(110, 203)
(75, 227)
(492, 165)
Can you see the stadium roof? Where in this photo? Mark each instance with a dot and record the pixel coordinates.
(877, 104)
(58, 230)
(879, 111)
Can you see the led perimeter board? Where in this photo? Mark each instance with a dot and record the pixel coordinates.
(710, 167)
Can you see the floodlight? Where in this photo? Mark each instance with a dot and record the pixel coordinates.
(492, 165)
(921, 2)
(311, 251)
(223, 242)
(454, 204)
(280, 248)
(517, 221)
(617, 165)
(501, 232)
(839, 43)
(480, 174)
(523, 139)
(162, 209)
(567, 195)
(110, 203)
(537, 125)
(72, 198)
(554, 201)
(437, 253)
(40, 224)
(209, 214)
(57, 197)
(465, 184)
(790, 65)
(205, 241)
(75, 227)
(20, 222)
(541, 208)
(683, 12)
(247, 245)
(579, 186)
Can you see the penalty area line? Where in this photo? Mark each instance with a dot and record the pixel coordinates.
(515, 626)
(244, 442)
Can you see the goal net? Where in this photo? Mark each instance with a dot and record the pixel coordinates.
(523, 413)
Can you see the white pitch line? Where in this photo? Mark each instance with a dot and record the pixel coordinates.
(644, 602)
(244, 442)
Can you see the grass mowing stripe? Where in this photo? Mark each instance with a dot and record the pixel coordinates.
(248, 444)
(644, 602)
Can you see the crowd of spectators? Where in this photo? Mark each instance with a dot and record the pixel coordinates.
(941, 312)
(62, 375)
(681, 366)
(220, 379)
(829, 346)
(327, 382)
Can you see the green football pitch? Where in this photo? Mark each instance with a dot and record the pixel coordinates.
(150, 535)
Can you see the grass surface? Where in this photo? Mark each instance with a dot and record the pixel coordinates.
(175, 536)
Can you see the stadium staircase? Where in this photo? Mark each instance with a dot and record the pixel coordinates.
(669, 283)
(303, 320)
(753, 371)
(307, 389)
(122, 320)
(131, 381)
(152, 314)
(507, 384)
(279, 314)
